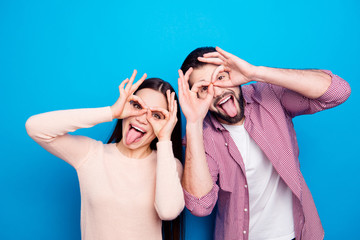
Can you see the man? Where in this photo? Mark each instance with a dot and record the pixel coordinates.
(243, 153)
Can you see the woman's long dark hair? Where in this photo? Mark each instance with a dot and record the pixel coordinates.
(171, 230)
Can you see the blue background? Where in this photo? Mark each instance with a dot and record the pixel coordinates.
(73, 54)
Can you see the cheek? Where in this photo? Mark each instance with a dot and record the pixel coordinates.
(123, 126)
(151, 131)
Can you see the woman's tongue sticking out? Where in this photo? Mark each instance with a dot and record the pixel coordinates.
(134, 135)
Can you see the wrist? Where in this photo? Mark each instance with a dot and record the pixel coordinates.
(194, 126)
(112, 112)
(258, 74)
(164, 138)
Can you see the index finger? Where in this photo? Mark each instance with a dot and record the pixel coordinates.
(161, 110)
(196, 86)
(139, 100)
(218, 70)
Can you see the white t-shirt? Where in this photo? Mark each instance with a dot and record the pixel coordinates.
(270, 199)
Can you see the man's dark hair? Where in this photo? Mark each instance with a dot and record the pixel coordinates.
(192, 59)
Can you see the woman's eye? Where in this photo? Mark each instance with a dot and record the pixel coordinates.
(136, 105)
(158, 116)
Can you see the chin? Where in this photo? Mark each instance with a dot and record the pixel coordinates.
(223, 117)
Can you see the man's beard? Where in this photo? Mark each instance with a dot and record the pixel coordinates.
(238, 117)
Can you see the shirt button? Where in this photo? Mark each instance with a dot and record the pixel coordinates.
(245, 186)
(245, 209)
(244, 232)
(226, 144)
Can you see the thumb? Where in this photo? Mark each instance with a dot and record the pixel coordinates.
(149, 118)
(227, 83)
(210, 94)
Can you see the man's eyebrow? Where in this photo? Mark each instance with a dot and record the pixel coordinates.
(201, 80)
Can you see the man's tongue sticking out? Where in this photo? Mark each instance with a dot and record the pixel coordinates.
(133, 136)
(229, 107)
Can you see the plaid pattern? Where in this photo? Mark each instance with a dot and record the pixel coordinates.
(268, 119)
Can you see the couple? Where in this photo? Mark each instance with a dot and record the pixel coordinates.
(241, 151)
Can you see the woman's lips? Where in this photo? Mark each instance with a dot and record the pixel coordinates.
(134, 134)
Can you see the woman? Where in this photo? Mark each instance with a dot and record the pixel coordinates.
(126, 186)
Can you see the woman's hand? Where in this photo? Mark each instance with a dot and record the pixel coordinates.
(240, 71)
(128, 104)
(163, 121)
(195, 102)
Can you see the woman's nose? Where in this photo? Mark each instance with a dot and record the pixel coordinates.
(142, 118)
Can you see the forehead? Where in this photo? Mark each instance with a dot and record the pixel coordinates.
(152, 98)
(202, 73)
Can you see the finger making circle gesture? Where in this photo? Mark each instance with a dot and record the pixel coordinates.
(163, 121)
(240, 71)
(124, 106)
(195, 102)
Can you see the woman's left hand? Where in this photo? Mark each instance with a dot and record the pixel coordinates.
(163, 121)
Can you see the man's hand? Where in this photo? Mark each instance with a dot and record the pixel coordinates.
(240, 71)
(193, 107)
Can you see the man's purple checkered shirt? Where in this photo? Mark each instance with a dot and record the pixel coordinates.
(269, 111)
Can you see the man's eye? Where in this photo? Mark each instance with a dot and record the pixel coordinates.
(158, 115)
(221, 77)
(204, 89)
(136, 105)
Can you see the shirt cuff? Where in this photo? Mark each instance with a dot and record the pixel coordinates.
(108, 117)
(339, 90)
(205, 202)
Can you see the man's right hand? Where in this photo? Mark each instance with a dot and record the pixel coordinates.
(197, 179)
(193, 107)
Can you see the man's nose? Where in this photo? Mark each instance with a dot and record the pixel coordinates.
(217, 91)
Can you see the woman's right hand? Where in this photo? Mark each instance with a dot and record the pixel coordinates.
(128, 104)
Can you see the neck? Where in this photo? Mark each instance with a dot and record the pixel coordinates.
(138, 153)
